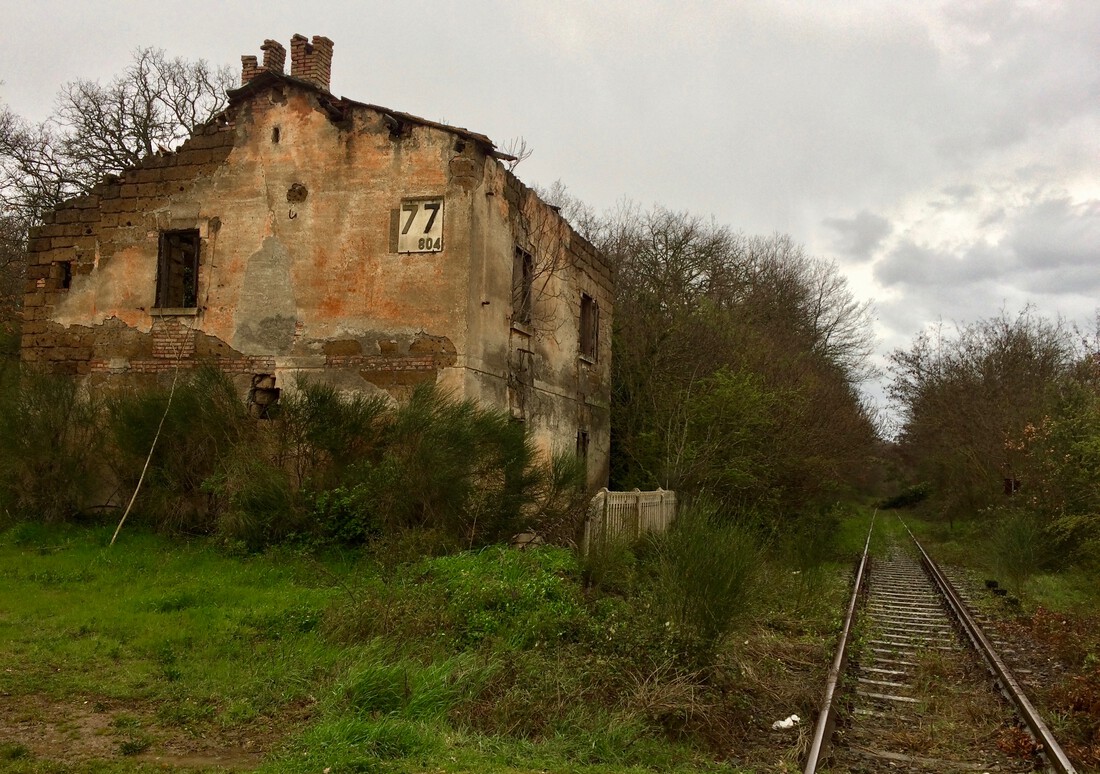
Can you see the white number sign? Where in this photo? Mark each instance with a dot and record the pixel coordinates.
(421, 226)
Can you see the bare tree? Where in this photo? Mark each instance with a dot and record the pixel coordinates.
(96, 130)
(12, 265)
(579, 214)
(518, 149)
(100, 129)
(34, 176)
(153, 106)
(736, 363)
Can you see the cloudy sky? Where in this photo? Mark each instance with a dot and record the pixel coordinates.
(945, 154)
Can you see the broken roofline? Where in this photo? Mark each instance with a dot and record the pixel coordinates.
(334, 105)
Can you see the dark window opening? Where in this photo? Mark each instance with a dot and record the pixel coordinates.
(582, 446)
(178, 270)
(65, 281)
(523, 277)
(275, 135)
(263, 399)
(590, 327)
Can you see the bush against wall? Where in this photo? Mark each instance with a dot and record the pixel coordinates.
(204, 423)
(328, 467)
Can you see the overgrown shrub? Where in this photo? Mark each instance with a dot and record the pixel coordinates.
(257, 504)
(610, 566)
(907, 498)
(1019, 546)
(455, 465)
(560, 499)
(705, 572)
(808, 540)
(325, 433)
(205, 423)
(327, 468)
(50, 446)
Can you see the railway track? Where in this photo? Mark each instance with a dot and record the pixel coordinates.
(914, 692)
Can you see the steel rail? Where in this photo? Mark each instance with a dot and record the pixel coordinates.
(1055, 755)
(826, 716)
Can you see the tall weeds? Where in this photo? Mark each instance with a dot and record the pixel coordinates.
(1019, 547)
(706, 571)
(205, 423)
(455, 465)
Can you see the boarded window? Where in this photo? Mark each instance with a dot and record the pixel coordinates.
(523, 276)
(178, 270)
(590, 327)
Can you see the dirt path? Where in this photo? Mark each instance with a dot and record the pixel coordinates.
(86, 729)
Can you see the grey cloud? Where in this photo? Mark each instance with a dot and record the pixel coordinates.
(860, 236)
(960, 193)
(1048, 256)
(1056, 234)
(917, 268)
(998, 215)
(1061, 286)
(1022, 78)
(1044, 245)
(907, 264)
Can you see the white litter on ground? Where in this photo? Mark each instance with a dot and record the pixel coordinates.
(789, 722)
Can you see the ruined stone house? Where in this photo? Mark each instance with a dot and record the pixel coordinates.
(302, 233)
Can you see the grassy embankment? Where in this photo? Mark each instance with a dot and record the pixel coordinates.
(1014, 554)
(160, 652)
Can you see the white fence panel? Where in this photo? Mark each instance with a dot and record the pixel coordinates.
(613, 515)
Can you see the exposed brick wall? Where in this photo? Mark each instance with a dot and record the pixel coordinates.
(275, 55)
(173, 338)
(383, 363)
(311, 61)
(230, 365)
(84, 231)
(249, 68)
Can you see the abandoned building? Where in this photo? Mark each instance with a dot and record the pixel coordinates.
(300, 233)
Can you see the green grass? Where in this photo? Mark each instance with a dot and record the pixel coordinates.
(147, 620)
(851, 534)
(159, 640)
(488, 661)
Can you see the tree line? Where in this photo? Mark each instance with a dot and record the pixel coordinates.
(1001, 423)
(737, 364)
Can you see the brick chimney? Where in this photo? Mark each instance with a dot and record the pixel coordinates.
(274, 58)
(311, 61)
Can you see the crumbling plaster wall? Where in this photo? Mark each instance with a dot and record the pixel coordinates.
(296, 267)
(535, 368)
